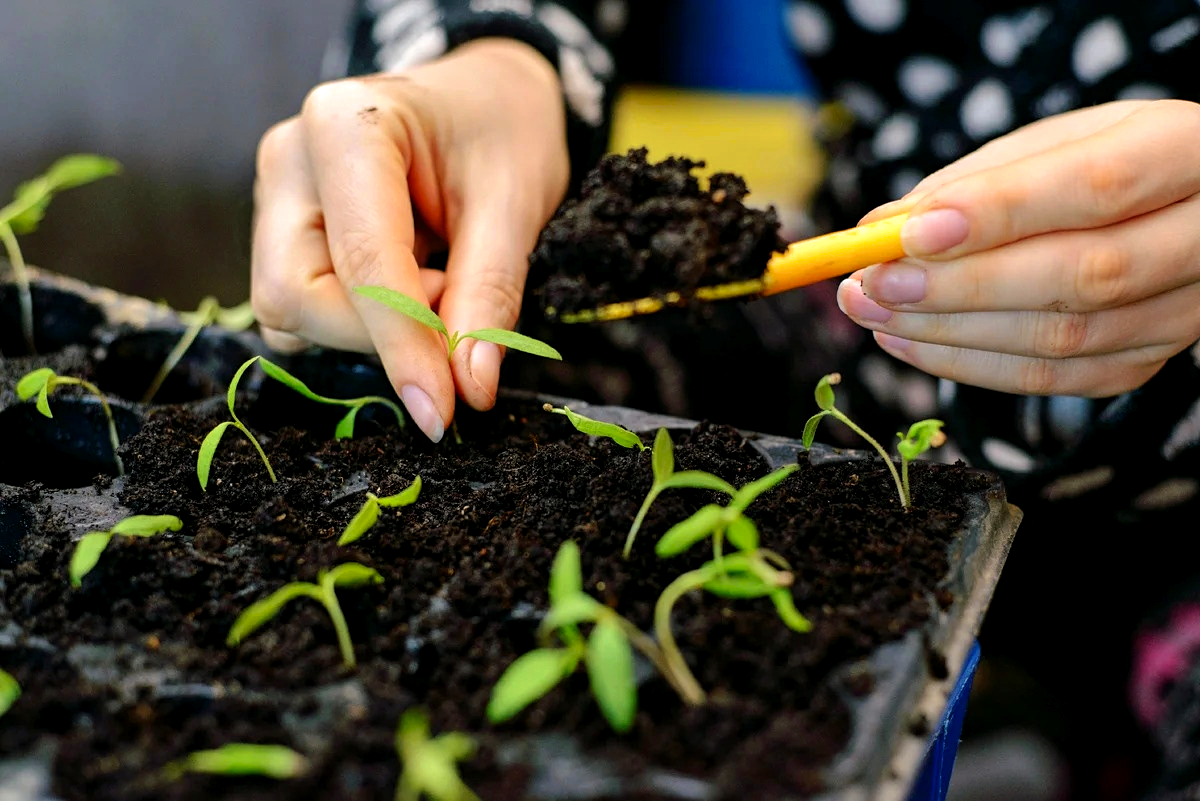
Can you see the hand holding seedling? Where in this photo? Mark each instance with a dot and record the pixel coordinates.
(921, 436)
(324, 591)
(466, 153)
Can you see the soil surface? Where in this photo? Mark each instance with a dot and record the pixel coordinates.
(641, 229)
(131, 670)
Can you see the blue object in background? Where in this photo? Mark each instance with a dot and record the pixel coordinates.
(934, 781)
(734, 45)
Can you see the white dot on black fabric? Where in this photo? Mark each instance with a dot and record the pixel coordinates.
(946, 145)
(862, 101)
(1057, 99)
(1172, 492)
(810, 28)
(584, 92)
(611, 17)
(896, 137)
(1004, 37)
(1175, 35)
(878, 16)
(1144, 91)
(903, 182)
(1006, 456)
(926, 79)
(521, 7)
(1100, 48)
(986, 110)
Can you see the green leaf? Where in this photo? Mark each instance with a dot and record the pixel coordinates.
(405, 497)
(78, 169)
(685, 534)
(10, 691)
(514, 341)
(32, 197)
(243, 759)
(146, 525)
(527, 679)
(609, 660)
(742, 533)
(231, 393)
(566, 574)
(697, 479)
(738, 585)
(810, 429)
(34, 382)
(351, 574)
(208, 449)
(405, 305)
(362, 521)
(345, 426)
(291, 382)
(236, 318)
(43, 400)
(598, 428)
(824, 391)
(86, 555)
(922, 435)
(260, 612)
(430, 764)
(572, 610)
(786, 607)
(662, 458)
(748, 493)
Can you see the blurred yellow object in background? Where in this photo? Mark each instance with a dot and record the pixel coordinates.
(766, 139)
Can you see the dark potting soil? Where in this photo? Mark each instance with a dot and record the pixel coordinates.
(641, 229)
(131, 670)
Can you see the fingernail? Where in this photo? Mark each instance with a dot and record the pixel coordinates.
(857, 306)
(485, 365)
(933, 232)
(422, 411)
(895, 283)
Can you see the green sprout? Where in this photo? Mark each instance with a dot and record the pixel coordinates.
(91, 545)
(27, 208)
(662, 465)
(598, 428)
(368, 513)
(42, 381)
(345, 426)
(209, 312)
(348, 574)
(208, 448)
(241, 759)
(922, 435)
(431, 763)
(606, 653)
(752, 572)
(418, 311)
(10, 691)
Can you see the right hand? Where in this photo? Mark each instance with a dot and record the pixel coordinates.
(468, 151)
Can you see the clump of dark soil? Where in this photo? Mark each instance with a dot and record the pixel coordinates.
(641, 230)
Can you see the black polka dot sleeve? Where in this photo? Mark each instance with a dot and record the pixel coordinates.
(391, 35)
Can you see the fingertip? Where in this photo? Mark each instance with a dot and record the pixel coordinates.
(478, 374)
(423, 412)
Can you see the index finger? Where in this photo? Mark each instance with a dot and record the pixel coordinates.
(1142, 162)
(361, 168)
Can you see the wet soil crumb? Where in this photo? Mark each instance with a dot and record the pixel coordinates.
(641, 229)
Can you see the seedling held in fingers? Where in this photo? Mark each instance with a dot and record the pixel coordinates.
(208, 448)
(209, 312)
(922, 435)
(348, 574)
(241, 759)
(598, 428)
(345, 426)
(28, 206)
(418, 311)
(606, 652)
(91, 545)
(662, 465)
(368, 513)
(430, 764)
(10, 691)
(42, 381)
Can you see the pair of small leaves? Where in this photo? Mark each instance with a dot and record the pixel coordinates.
(42, 381)
(922, 435)
(10, 691)
(368, 513)
(728, 521)
(599, 428)
(429, 765)
(91, 545)
(418, 311)
(662, 466)
(345, 426)
(607, 653)
(31, 198)
(348, 574)
(747, 575)
(241, 759)
(210, 312)
(208, 448)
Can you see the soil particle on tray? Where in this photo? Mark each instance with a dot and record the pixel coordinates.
(640, 229)
(465, 572)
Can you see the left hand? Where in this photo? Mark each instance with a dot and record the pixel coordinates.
(1063, 258)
